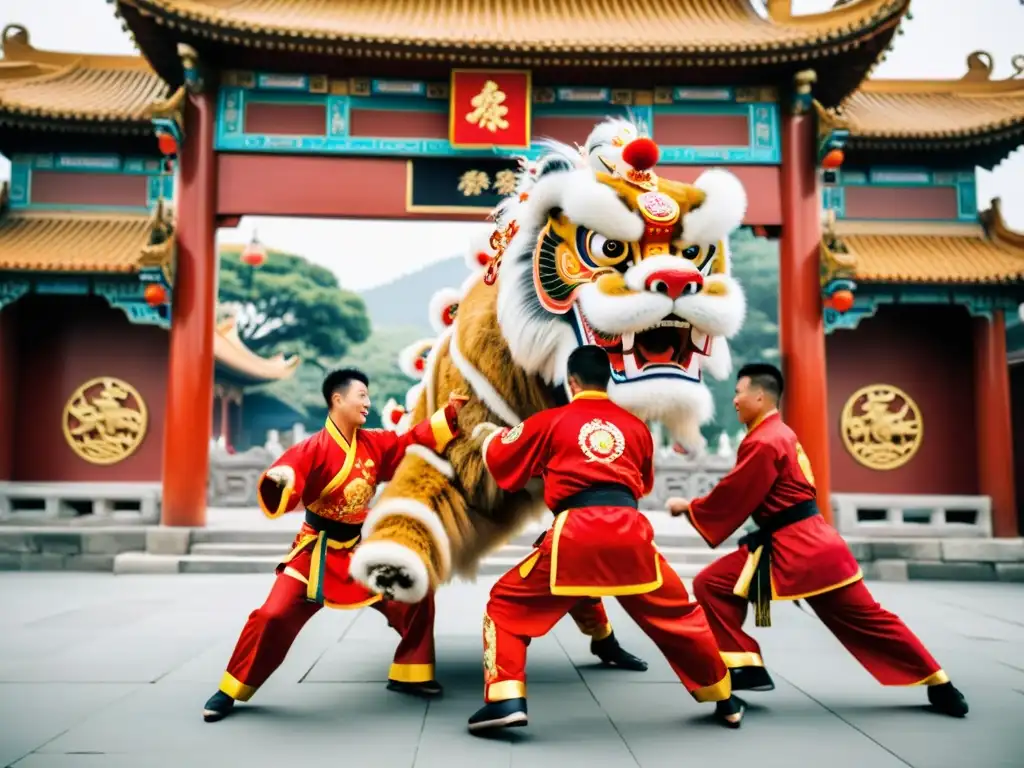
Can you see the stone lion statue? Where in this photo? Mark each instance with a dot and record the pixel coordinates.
(594, 248)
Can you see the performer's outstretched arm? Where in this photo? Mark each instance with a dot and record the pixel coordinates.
(280, 487)
(737, 495)
(513, 456)
(434, 433)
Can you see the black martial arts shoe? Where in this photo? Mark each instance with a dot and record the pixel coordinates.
(751, 679)
(730, 712)
(948, 700)
(510, 713)
(611, 653)
(429, 688)
(217, 707)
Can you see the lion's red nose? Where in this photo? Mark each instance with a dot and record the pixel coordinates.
(641, 153)
(674, 282)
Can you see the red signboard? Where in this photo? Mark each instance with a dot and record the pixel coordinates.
(489, 108)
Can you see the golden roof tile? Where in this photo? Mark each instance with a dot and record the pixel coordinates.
(68, 86)
(230, 351)
(83, 242)
(971, 107)
(636, 27)
(893, 252)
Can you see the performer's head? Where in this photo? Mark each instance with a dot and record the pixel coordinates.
(588, 369)
(347, 394)
(758, 390)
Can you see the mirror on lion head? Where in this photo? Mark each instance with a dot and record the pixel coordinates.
(606, 251)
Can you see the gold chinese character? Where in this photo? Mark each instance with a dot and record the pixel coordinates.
(505, 182)
(473, 183)
(488, 110)
(105, 420)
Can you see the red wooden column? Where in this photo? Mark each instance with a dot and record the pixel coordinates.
(8, 368)
(189, 416)
(994, 422)
(801, 325)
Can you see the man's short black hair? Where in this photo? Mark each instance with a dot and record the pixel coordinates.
(764, 375)
(339, 381)
(591, 367)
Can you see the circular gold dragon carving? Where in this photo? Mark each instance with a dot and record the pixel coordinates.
(105, 420)
(881, 426)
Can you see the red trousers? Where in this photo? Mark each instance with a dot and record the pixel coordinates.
(522, 607)
(273, 627)
(878, 639)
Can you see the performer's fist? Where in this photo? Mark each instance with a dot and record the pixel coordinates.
(678, 506)
(283, 475)
(456, 400)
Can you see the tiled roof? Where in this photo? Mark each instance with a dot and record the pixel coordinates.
(80, 242)
(970, 108)
(891, 252)
(231, 353)
(706, 27)
(66, 86)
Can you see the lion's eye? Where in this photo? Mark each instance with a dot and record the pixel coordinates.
(605, 252)
(692, 252)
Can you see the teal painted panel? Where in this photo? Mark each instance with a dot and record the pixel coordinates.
(963, 182)
(23, 166)
(292, 83)
(20, 190)
(763, 147)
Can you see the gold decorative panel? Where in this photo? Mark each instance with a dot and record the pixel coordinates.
(881, 426)
(105, 420)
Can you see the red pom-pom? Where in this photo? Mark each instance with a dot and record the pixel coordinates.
(641, 153)
(396, 416)
(482, 258)
(419, 364)
(448, 314)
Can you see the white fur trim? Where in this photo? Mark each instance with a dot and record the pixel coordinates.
(408, 355)
(715, 315)
(418, 511)
(412, 395)
(430, 374)
(283, 474)
(585, 201)
(440, 301)
(481, 386)
(719, 362)
(478, 243)
(388, 415)
(722, 211)
(471, 279)
(370, 554)
(441, 465)
(682, 406)
(485, 445)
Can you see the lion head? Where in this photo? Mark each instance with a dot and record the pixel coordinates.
(601, 250)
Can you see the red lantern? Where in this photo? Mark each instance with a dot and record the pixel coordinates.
(254, 255)
(842, 301)
(155, 294)
(168, 144)
(833, 159)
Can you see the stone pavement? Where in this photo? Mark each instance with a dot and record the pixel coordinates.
(112, 671)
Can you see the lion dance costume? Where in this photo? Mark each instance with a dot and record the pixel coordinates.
(595, 248)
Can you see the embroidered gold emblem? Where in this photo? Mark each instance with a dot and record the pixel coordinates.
(513, 434)
(490, 650)
(601, 441)
(881, 427)
(105, 420)
(357, 495)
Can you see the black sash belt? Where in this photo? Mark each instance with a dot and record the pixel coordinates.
(334, 530)
(760, 592)
(604, 495)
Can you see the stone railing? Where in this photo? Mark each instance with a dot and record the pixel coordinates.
(912, 516)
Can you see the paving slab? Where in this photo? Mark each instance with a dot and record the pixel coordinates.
(106, 670)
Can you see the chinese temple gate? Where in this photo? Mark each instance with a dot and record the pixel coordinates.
(87, 266)
(297, 107)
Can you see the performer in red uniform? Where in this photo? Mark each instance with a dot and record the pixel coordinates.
(794, 554)
(596, 460)
(334, 474)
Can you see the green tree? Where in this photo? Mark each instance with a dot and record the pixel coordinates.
(755, 265)
(292, 306)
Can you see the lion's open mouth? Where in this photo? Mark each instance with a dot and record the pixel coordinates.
(671, 347)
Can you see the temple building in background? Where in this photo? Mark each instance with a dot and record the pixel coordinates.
(894, 286)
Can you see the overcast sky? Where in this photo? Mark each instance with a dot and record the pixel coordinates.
(935, 45)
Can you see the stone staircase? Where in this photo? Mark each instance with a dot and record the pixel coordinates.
(253, 550)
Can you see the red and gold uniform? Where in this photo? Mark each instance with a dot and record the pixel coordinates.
(335, 480)
(596, 460)
(794, 555)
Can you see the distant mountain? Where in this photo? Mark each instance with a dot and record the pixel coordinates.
(403, 301)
